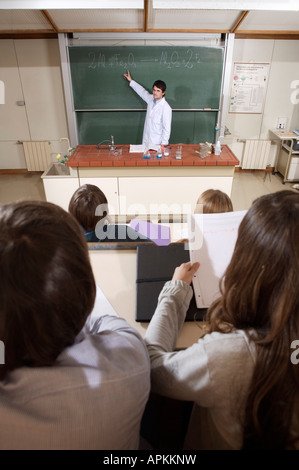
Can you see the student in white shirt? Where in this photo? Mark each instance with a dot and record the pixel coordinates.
(157, 126)
(71, 380)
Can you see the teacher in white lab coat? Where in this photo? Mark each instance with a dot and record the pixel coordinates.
(157, 126)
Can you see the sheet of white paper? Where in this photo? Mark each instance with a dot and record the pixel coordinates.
(140, 148)
(102, 306)
(136, 148)
(212, 239)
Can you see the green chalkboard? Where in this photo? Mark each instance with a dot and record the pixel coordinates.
(106, 105)
(127, 127)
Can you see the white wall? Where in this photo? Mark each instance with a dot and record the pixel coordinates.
(283, 57)
(30, 70)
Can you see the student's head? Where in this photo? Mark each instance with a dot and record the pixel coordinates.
(213, 200)
(88, 205)
(159, 89)
(47, 287)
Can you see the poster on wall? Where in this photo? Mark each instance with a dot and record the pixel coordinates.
(249, 86)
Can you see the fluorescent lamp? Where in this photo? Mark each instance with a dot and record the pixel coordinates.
(265, 5)
(71, 4)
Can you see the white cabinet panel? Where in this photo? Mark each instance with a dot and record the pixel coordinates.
(173, 195)
(109, 186)
(39, 65)
(293, 173)
(60, 190)
(13, 120)
(12, 155)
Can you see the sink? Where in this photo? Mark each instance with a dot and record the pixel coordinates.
(57, 169)
(60, 182)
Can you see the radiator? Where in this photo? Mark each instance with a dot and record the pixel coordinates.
(38, 155)
(256, 154)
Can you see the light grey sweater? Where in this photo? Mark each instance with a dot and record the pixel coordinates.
(92, 398)
(215, 372)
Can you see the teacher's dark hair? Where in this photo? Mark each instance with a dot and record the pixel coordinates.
(260, 294)
(160, 84)
(47, 287)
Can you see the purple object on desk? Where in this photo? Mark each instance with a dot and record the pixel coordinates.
(159, 234)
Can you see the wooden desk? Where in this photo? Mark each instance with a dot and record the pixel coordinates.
(134, 185)
(115, 273)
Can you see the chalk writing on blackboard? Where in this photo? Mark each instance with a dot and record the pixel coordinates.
(187, 59)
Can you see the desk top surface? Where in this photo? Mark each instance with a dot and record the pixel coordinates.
(115, 272)
(284, 135)
(91, 156)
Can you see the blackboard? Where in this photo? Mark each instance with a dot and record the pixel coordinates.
(127, 127)
(193, 77)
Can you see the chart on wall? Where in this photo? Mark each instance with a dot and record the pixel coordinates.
(249, 85)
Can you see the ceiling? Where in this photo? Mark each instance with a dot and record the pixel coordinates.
(246, 19)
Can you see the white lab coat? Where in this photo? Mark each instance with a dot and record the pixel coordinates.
(157, 126)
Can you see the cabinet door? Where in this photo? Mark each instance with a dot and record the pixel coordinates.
(40, 72)
(13, 119)
(283, 161)
(166, 195)
(293, 173)
(109, 187)
(60, 190)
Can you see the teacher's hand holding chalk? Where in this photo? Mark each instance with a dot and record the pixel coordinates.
(127, 76)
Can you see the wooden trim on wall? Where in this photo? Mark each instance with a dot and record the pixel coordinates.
(103, 30)
(239, 21)
(243, 34)
(145, 16)
(239, 34)
(15, 171)
(170, 30)
(49, 18)
(27, 35)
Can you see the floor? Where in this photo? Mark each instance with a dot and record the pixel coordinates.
(28, 186)
(246, 187)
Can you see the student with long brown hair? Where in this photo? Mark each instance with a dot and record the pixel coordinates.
(72, 378)
(240, 375)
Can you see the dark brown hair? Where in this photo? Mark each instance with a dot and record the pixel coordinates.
(260, 293)
(161, 85)
(213, 200)
(88, 205)
(47, 287)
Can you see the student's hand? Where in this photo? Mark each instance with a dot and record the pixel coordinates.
(185, 272)
(128, 76)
